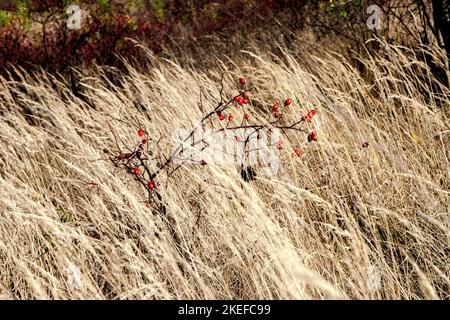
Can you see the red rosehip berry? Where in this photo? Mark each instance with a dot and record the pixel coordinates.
(151, 185)
(246, 116)
(231, 118)
(245, 101)
(277, 115)
(312, 136)
(144, 141)
(238, 99)
(221, 117)
(287, 102)
(93, 182)
(120, 157)
(297, 152)
(310, 115)
(275, 107)
(140, 132)
(203, 162)
(244, 94)
(242, 80)
(136, 171)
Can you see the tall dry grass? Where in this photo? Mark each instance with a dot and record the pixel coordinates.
(328, 225)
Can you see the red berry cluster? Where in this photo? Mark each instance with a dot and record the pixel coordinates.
(241, 100)
(277, 115)
(276, 108)
(136, 161)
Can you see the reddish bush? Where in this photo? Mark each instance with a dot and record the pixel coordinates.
(107, 31)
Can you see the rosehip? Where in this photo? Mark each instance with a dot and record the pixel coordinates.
(311, 114)
(275, 107)
(245, 101)
(242, 80)
(312, 136)
(246, 116)
(151, 185)
(244, 94)
(238, 99)
(203, 162)
(144, 141)
(277, 115)
(136, 171)
(297, 152)
(221, 117)
(231, 118)
(93, 182)
(140, 132)
(287, 102)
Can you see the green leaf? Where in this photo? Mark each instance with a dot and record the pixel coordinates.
(67, 216)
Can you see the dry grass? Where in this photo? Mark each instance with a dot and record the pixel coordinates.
(313, 231)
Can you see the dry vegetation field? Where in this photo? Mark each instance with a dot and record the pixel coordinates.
(362, 214)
